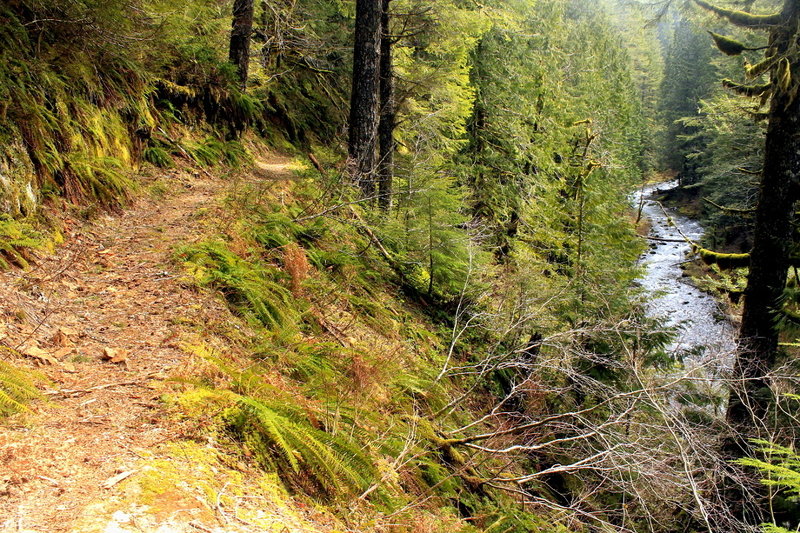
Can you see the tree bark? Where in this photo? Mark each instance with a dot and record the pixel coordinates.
(750, 397)
(387, 115)
(769, 260)
(241, 32)
(364, 97)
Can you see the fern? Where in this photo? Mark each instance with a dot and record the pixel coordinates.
(157, 156)
(99, 178)
(208, 153)
(294, 448)
(16, 389)
(249, 288)
(282, 438)
(781, 470)
(17, 239)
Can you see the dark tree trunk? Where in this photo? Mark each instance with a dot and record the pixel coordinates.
(387, 115)
(750, 396)
(769, 261)
(364, 98)
(241, 31)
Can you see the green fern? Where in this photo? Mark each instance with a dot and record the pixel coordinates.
(17, 240)
(279, 434)
(98, 178)
(208, 153)
(781, 469)
(157, 156)
(249, 288)
(16, 389)
(290, 445)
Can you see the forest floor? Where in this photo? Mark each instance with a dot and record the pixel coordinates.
(102, 318)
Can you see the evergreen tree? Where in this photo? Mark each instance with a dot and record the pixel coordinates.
(241, 33)
(364, 97)
(750, 395)
(386, 145)
(688, 78)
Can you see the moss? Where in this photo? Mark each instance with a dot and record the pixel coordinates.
(742, 18)
(189, 479)
(747, 90)
(724, 261)
(727, 46)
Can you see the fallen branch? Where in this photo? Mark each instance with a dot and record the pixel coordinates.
(77, 392)
(733, 210)
(671, 222)
(660, 239)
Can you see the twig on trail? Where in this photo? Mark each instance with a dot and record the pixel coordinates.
(218, 506)
(77, 392)
(110, 482)
(201, 527)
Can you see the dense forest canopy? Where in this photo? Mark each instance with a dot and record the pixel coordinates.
(437, 323)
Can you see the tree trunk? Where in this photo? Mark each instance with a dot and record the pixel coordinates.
(364, 97)
(387, 115)
(769, 259)
(750, 396)
(241, 31)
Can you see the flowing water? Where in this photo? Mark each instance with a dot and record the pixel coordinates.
(703, 331)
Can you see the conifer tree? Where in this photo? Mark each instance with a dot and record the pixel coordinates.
(688, 78)
(750, 395)
(364, 97)
(241, 32)
(387, 114)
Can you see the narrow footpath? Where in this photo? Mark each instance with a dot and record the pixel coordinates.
(102, 319)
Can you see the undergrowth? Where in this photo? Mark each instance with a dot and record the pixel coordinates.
(18, 240)
(338, 391)
(17, 388)
(84, 103)
(252, 290)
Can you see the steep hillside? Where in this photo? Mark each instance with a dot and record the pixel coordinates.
(148, 374)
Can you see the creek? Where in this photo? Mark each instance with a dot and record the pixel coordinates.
(704, 335)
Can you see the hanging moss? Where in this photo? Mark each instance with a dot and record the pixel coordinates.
(726, 45)
(747, 90)
(754, 71)
(743, 18)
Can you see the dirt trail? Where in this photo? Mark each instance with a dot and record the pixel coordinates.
(110, 308)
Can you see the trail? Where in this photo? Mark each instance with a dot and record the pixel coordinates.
(109, 308)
